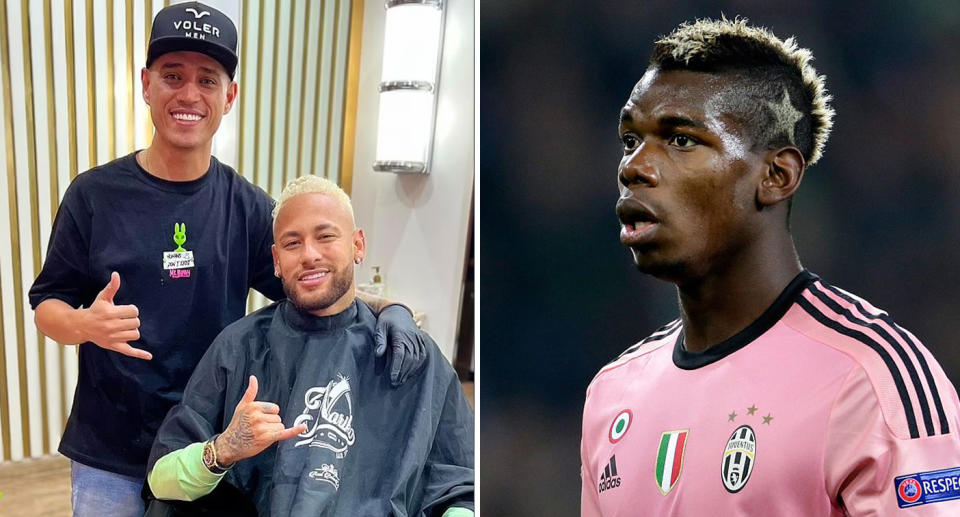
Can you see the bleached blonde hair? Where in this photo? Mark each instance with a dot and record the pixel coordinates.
(311, 184)
(772, 66)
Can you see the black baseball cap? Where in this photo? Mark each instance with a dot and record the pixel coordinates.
(195, 27)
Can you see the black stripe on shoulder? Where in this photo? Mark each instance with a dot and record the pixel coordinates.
(887, 360)
(907, 338)
(894, 344)
(661, 332)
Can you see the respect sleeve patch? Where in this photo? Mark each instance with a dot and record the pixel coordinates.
(927, 487)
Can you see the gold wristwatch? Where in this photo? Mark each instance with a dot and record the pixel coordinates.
(210, 458)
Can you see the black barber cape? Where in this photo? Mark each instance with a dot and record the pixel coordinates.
(369, 448)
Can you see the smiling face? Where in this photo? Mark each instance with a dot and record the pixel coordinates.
(188, 94)
(315, 245)
(688, 176)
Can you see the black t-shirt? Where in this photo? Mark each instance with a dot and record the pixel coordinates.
(186, 252)
(369, 448)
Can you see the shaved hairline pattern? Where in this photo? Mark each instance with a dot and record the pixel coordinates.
(733, 47)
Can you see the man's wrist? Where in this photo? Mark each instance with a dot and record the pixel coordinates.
(222, 455)
(79, 325)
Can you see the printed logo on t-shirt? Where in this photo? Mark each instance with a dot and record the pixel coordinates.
(329, 417)
(178, 262)
(327, 473)
(609, 478)
(739, 457)
(927, 487)
(669, 465)
(619, 426)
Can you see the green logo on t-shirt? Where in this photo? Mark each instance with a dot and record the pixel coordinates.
(180, 235)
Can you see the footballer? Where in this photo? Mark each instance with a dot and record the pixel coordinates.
(774, 392)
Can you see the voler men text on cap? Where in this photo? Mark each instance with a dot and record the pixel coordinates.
(194, 27)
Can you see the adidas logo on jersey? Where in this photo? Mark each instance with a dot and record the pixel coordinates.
(609, 478)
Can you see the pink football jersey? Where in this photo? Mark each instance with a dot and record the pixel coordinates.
(821, 407)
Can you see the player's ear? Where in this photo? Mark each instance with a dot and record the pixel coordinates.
(359, 244)
(145, 83)
(232, 92)
(782, 176)
(276, 260)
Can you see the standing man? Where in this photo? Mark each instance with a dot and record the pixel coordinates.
(151, 256)
(289, 407)
(774, 393)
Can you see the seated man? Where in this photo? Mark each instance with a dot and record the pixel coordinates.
(290, 406)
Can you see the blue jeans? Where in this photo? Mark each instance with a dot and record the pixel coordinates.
(96, 493)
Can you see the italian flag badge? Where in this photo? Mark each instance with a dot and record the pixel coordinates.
(670, 459)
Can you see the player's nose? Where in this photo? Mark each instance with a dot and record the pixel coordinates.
(639, 167)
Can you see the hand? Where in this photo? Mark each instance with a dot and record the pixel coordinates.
(254, 427)
(111, 326)
(408, 345)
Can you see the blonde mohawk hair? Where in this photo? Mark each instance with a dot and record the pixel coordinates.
(773, 65)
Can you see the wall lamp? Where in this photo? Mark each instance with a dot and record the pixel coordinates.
(412, 43)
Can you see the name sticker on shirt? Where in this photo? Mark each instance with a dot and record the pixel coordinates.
(177, 259)
(927, 487)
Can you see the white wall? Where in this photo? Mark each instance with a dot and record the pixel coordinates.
(416, 225)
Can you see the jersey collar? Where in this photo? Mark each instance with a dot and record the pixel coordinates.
(693, 360)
